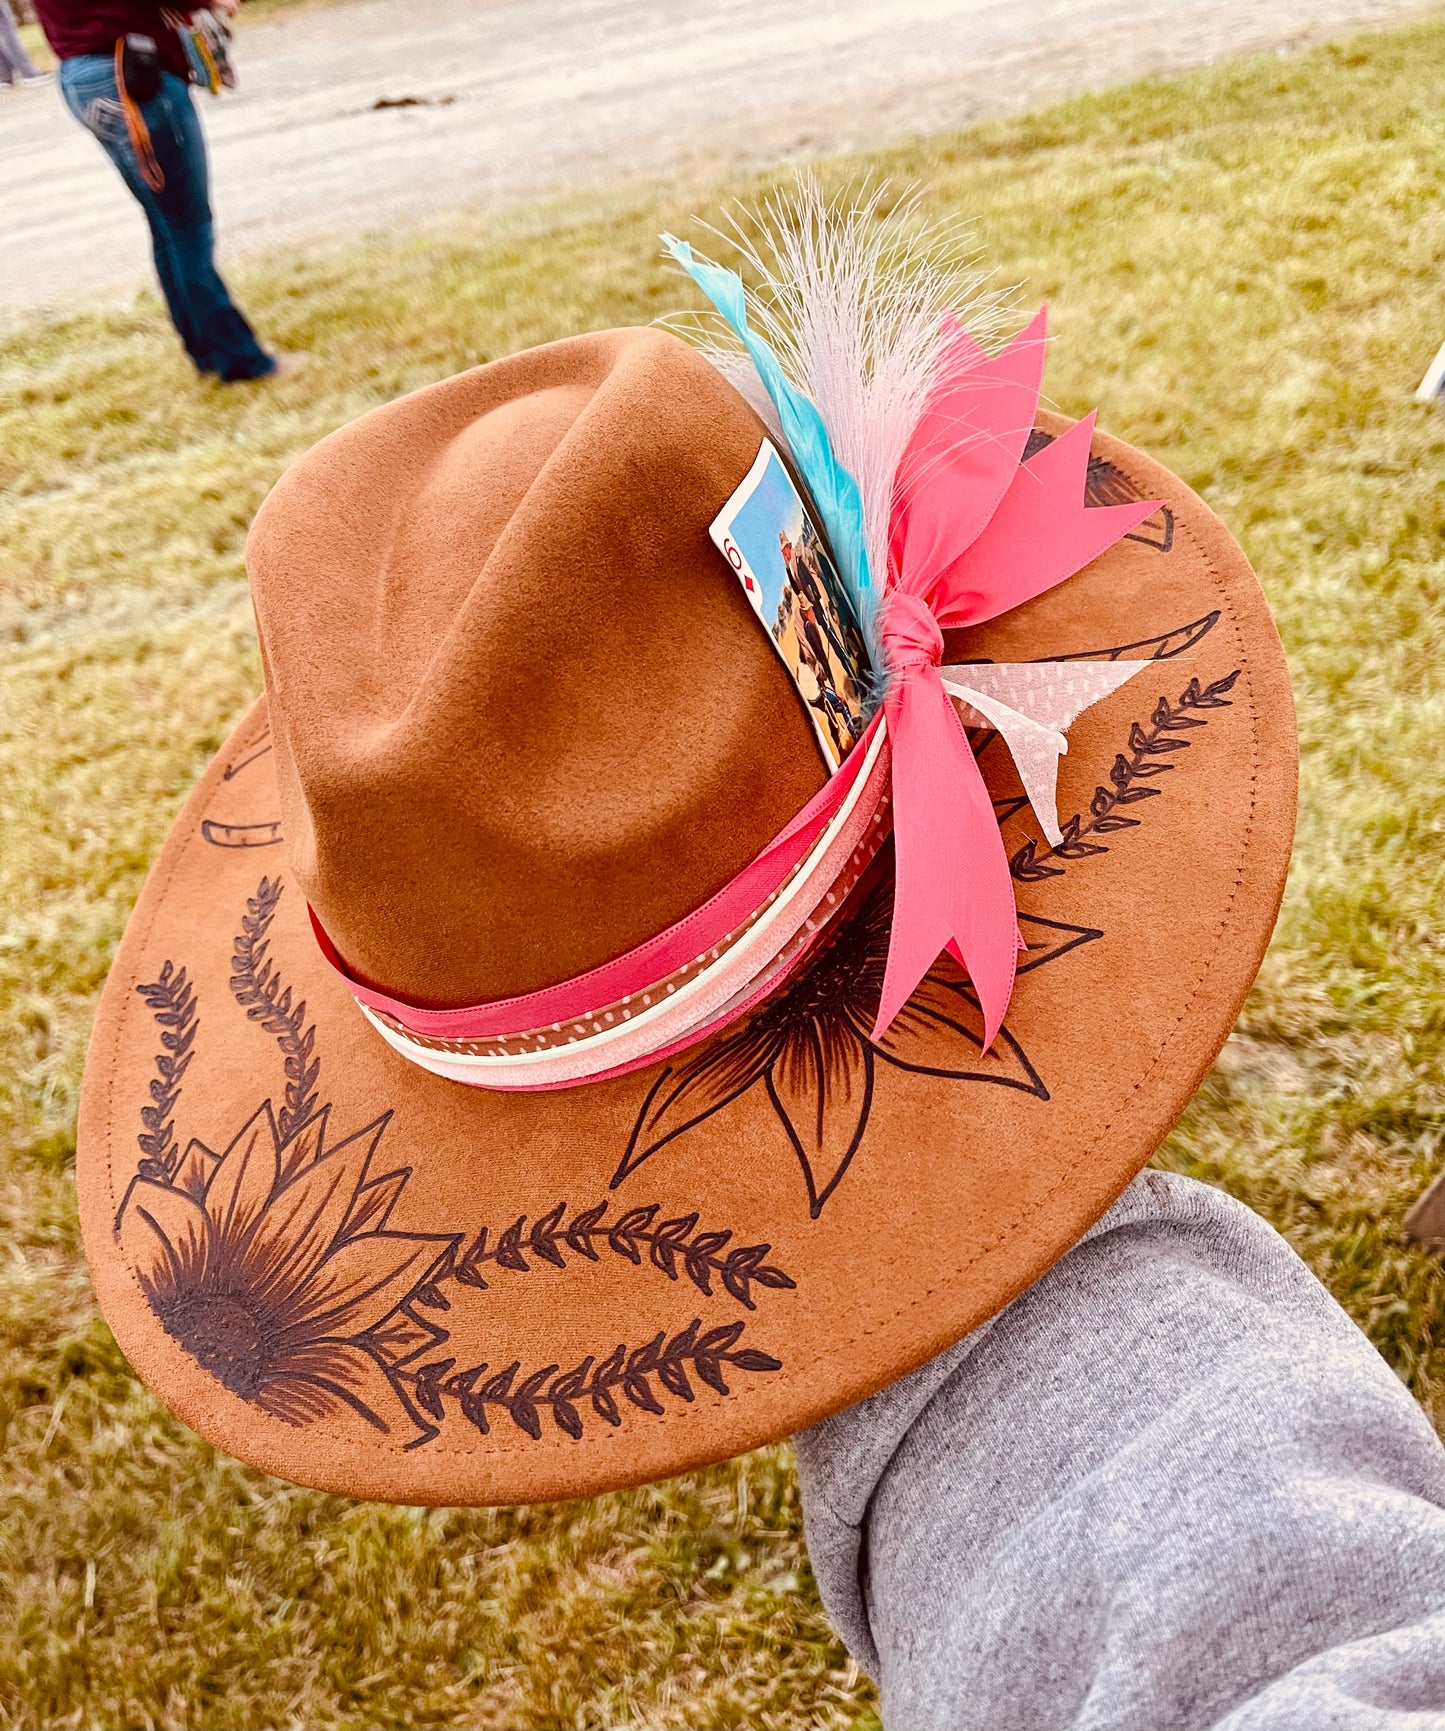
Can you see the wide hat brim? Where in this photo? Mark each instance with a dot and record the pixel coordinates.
(364, 1278)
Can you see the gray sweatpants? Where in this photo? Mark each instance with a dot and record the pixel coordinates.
(1171, 1487)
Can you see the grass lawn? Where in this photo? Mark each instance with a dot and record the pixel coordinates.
(1245, 267)
(32, 40)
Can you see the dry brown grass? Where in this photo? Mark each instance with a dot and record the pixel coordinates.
(1245, 267)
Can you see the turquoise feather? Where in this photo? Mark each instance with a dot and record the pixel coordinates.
(834, 491)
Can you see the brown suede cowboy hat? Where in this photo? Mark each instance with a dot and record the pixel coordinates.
(524, 734)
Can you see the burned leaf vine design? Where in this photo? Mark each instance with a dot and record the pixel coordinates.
(1160, 646)
(274, 1264)
(172, 1001)
(1148, 757)
(671, 1245)
(623, 1376)
(256, 987)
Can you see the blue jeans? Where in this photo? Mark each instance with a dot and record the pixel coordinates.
(215, 333)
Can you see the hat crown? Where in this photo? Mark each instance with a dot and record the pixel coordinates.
(523, 714)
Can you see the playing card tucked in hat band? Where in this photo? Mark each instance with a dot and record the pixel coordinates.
(525, 732)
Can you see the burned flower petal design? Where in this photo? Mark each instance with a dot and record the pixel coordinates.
(808, 1049)
(278, 1273)
(275, 1266)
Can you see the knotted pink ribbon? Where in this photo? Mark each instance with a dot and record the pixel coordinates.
(974, 531)
(952, 885)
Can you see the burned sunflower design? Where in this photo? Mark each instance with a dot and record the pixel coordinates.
(272, 1261)
(809, 1050)
(272, 1265)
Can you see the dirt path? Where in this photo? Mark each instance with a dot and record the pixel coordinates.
(525, 97)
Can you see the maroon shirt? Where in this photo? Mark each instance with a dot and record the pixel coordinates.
(93, 26)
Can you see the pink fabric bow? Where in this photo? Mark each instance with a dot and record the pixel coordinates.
(973, 532)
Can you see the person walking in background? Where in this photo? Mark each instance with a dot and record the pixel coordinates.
(137, 103)
(16, 66)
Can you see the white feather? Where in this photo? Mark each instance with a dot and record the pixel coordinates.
(850, 294)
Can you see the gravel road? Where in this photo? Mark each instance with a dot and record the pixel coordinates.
(527, 97)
